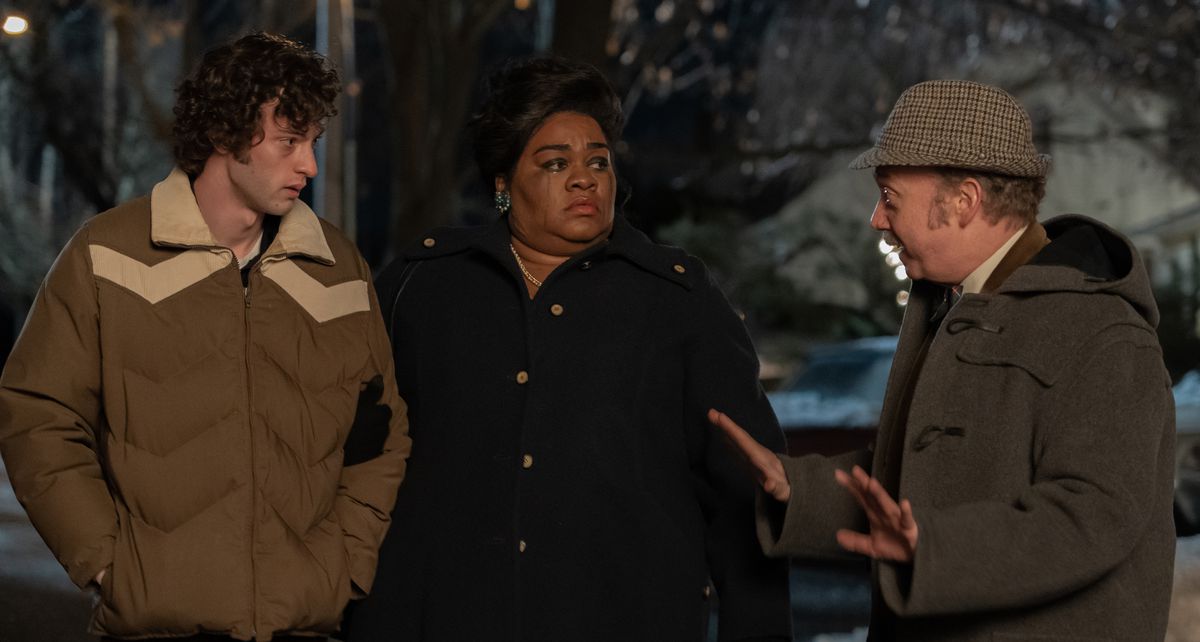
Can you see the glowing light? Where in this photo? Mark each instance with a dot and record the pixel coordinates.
(892, 259)
(902, 298)
(521, 5)
(664, 12)
(901, 273)
(884, 247)
(15, 25)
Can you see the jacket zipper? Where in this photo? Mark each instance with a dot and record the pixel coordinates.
(250, 434)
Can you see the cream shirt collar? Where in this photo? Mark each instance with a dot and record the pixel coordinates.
(175, 220)
(973, 284)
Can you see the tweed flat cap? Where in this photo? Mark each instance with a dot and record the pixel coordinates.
(961, 124)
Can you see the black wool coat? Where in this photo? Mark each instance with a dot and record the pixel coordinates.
(564, 483)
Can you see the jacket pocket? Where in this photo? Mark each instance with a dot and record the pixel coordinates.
(109, 615)
(343, 587)
(106, 591)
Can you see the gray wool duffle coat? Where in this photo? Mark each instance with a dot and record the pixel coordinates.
(564, 482)
(1037, 454)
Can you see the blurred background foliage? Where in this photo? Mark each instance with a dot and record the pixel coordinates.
(741, 117)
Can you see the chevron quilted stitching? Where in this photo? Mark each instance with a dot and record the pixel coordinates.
(155, 283)
(323, 303)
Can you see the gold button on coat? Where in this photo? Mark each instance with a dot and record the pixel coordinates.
(429, 242)
(521, 546)
(527, 461)
(522, 376)
(707, 591)
(680, 269)
(556, 310)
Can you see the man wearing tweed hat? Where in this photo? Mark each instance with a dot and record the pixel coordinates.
(1027, 429)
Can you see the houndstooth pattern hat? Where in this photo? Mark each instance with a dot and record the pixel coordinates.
(960, 124)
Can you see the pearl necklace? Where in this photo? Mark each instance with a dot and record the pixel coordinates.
(521, 264)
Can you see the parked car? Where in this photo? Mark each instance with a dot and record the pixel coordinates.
(1187, 454)
(832, 405)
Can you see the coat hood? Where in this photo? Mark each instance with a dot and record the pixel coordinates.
(1086, 256)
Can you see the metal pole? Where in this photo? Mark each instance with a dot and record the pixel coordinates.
(349, 129)
(327, 194)
(544, 35)
(108, 97)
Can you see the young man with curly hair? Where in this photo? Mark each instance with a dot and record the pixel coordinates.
(175, 412)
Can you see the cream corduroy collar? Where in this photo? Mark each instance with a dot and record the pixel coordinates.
(175, 220)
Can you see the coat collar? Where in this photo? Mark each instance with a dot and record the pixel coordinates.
(668, 262)
(1027, 246)
(175, 221)
(625, 242)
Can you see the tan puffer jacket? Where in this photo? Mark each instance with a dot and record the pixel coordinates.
(161, 422)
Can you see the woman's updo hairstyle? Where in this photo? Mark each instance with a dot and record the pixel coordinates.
(521, 95)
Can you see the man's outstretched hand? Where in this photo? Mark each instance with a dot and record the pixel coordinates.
(766, 465)
(893, 533)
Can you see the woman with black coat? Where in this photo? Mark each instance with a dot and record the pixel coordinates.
(564, 483)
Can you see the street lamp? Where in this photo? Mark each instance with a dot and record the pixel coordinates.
(15, 25)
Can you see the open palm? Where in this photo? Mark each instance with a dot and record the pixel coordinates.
(893, 534)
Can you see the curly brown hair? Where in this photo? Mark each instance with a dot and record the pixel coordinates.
(217, 106)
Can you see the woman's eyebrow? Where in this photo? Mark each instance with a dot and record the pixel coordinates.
(563, 147)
